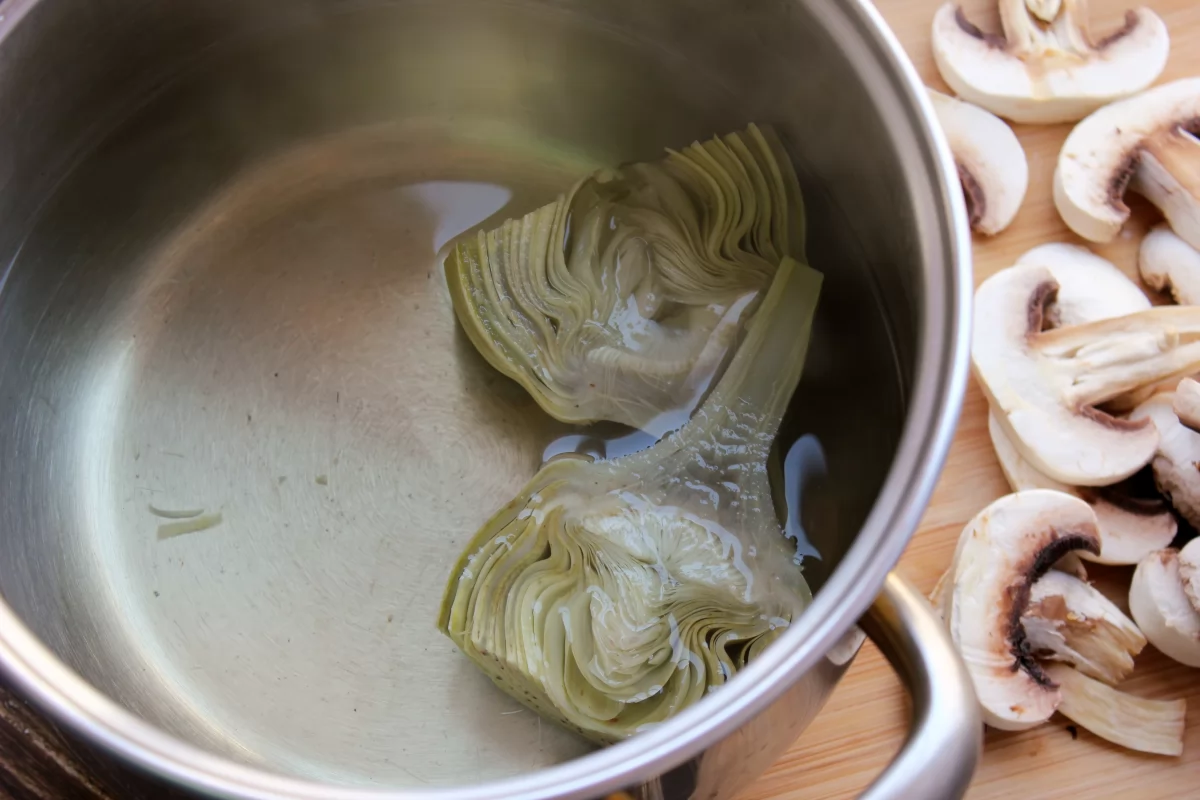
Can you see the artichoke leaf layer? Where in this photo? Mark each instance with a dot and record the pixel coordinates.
(621, 299)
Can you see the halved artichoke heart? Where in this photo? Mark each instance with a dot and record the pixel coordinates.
(610, 595)
(620, 300)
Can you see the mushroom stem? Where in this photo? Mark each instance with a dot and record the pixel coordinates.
(1168, 175)
(1114, 356)
(1151, 726)
(1040, 28)
(1070, 620)
(1045, 10)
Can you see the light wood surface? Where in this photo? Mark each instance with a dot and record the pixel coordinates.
(864, 723)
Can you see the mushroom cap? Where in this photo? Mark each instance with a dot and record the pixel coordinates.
(1187, 403)
(1046, 88)
(1189, 572)
(1128, 530)
(1090, 288)
(1168, 263)
(1175, 460)
(991, 163)
(1000, 554)
(1103, 151)
(1078, 446)
(1163, 610)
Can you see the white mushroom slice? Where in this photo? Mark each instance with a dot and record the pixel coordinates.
(1069, 620)
(1000, 554)
(1151, 139)
(991, 162)
(1047, 67)
(1130, 528)
(1150, 726)
(1187, 403)
(1175, 459)
(1162, 608)
(1189, 572)
(1168, 263)
(1045, 385)
(1089, 287)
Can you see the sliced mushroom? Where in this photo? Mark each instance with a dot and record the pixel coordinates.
(1045, 385)
(1151, 726)
(1091, 288)
(991, 162)
(1163, 607)
(1168, 263)
(1129, 528)
(1047, 67)
(1147, 143)
(1175, 460)
(1187, 403)
(1071, 621)
(1001, 553)
(1189, 571)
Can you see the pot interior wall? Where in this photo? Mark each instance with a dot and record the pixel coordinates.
(223, 221)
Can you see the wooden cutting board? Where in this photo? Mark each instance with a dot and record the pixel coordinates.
(864, 723)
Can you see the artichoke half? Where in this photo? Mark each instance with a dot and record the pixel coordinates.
(610, 595)
(620, 300)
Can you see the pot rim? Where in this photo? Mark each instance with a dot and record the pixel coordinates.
(938, 390)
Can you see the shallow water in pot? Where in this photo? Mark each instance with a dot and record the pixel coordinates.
(291, 360)
(274, 342)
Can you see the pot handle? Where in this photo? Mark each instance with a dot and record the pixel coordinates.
(943, 746)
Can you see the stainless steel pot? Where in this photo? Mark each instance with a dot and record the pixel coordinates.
(221, 220)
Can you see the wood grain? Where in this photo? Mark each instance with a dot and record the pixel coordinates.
(38, 761)
(865, 721)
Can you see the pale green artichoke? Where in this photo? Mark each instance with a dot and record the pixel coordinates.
(621, 299)
(610, 595)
